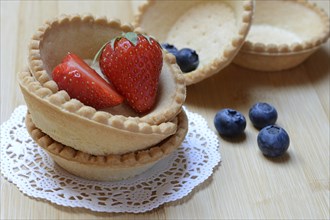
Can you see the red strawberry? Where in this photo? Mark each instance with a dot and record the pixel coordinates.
(83, 83)
(133, 63)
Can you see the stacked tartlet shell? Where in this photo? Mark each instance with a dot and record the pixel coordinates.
(283, 35)
(215, 29)
(112, 166)
(97, 133)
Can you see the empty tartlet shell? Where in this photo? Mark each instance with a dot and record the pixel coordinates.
(275, 57)
(83, 128)
(216, 40)
(84, 35)
(110, 167)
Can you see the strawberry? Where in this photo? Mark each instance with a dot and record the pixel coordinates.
(133, 63)
(82, 82)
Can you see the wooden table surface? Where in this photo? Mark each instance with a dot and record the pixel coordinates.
(246, 184)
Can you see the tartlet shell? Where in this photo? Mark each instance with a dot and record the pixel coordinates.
(69, 122)
(109, 167)
(275, 57)
(84, 35)
(151, 11)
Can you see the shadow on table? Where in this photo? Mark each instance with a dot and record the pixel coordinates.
(238, 139)
(232, 86)
(280, 160)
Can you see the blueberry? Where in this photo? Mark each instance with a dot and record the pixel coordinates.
(170, 48)
(229, 122)
(273, 141)
(262, 114)
(187, 59)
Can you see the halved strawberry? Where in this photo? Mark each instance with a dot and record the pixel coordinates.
(133, 64)
(82, 82)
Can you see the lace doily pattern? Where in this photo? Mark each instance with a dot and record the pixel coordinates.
(35, 174)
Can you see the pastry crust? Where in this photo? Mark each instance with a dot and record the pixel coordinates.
(84, 35)
(69, 122)
(215, 29)
(277, 40)
(108, 167)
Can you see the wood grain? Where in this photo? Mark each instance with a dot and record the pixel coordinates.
(246, 184)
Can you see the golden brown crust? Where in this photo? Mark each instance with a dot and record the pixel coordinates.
(220, 59)
(42, 60)
(70, 122)
(270, 46)
(137, 158)
(305, 46)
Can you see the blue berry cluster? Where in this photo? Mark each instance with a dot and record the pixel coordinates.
(273, 141)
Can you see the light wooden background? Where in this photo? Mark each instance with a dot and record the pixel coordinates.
(246, 185)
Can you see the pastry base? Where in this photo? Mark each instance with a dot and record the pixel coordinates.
(109, 167)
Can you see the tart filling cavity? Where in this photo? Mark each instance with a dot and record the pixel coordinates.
(283, 35)
(215, 29)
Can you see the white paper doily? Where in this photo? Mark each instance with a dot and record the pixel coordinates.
(35, 174)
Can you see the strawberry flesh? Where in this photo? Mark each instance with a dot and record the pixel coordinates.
(82, 82)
